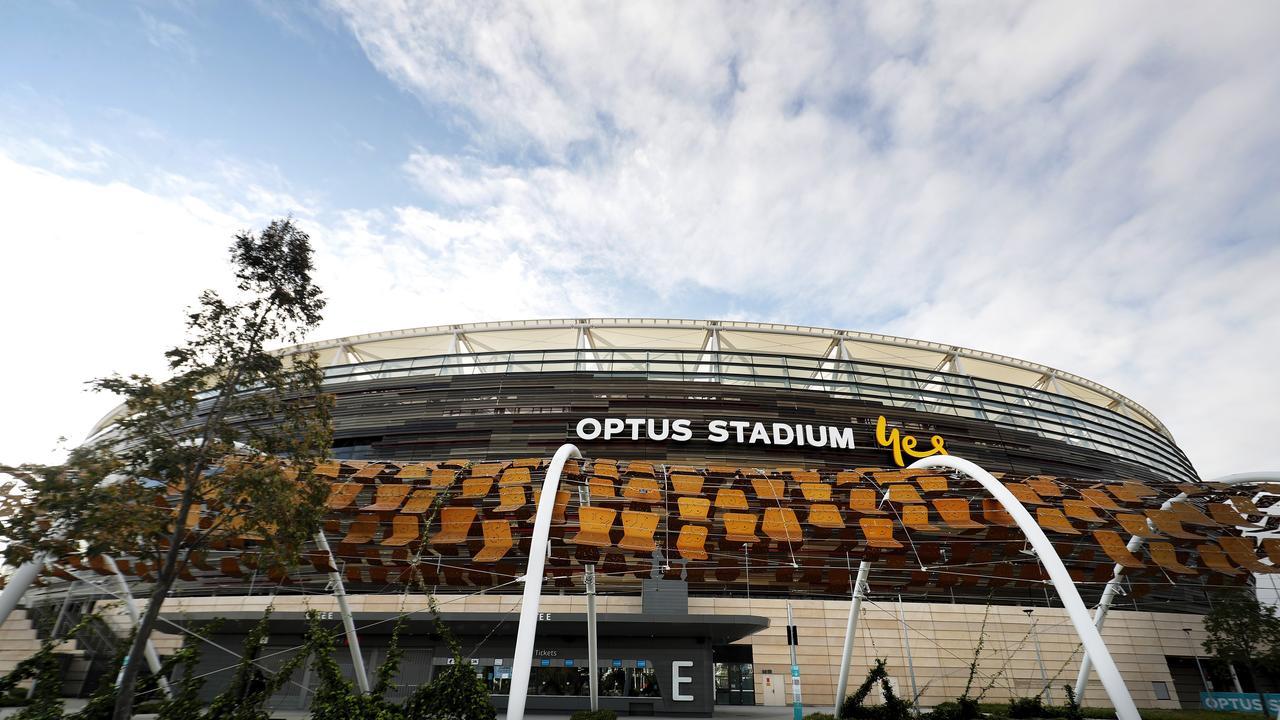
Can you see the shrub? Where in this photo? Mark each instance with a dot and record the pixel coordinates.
(963, 708)
(16, 697)
(815, 716)
(894, 707)
(1072, 710)
(1032, 707)
(602, 714)
(457, 692)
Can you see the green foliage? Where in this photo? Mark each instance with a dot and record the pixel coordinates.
(336, 697)
(164, 457)
(1072, 711)
(185, 703)
(17, 697)
(46, 669)
(962, 709)
(810, 716)
(456, 693)
(1032, 707)
(390, 667)
(103, 700)
(605, 714)
(966, 707)
(251, 686)
(893, 707)
(1241, 629)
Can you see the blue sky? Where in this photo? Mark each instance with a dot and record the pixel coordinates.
(1091, 187)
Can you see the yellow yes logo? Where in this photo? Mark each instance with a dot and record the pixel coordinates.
(906, 444)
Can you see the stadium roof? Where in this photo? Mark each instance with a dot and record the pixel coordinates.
(724, 336)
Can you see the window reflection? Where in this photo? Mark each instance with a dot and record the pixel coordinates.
(561, 681)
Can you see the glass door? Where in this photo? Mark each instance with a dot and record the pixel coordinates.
(735, 683)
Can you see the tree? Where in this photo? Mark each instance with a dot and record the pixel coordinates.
(1243, 630)
(223, 449)
(335, 696)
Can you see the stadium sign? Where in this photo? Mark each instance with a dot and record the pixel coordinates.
(1239, 702)
(716, 431)
(754, 433)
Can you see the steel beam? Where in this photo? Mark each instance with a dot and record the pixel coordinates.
(348, 623)
(850, 630)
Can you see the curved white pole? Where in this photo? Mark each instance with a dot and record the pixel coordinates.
(523, 659)
(149, 650)
(1135, 544)
(1260, 476)
(1121, 700)
(17, 583)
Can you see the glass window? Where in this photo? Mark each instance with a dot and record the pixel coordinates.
(613, 682)
(559, 681)
(1161, 689)
(643, 683)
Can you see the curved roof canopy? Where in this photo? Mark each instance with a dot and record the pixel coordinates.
(723, 336)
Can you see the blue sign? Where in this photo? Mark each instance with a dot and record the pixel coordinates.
(544, 662)
(568, 663)
(639, 663)
(1239, 702)
(795, 671)
(617, 663)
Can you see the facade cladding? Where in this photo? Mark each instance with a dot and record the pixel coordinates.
(731, 469)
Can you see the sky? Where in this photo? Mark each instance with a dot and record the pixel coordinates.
(1091, 186)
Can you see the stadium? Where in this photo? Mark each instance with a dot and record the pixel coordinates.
(731, 475)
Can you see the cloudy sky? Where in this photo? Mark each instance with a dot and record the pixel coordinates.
(1093, 186)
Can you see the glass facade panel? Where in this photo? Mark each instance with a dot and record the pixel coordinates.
(1037, 411)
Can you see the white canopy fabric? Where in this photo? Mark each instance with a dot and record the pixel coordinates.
(658, 335)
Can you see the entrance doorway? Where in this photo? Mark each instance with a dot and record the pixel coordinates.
(734, 675)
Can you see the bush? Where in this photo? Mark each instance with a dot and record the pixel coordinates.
(814, 716)
(457, 692)
(1032, 707)
(962, 709)
(598, 715)
(15, 698)
(894, 707)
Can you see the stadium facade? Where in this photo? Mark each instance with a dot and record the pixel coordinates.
(732, 473)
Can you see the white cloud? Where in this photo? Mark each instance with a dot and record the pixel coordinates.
(165, 35)
(98, 274)
(1093, 187)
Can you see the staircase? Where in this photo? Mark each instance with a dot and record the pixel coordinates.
(86, 657)
(18, 640)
